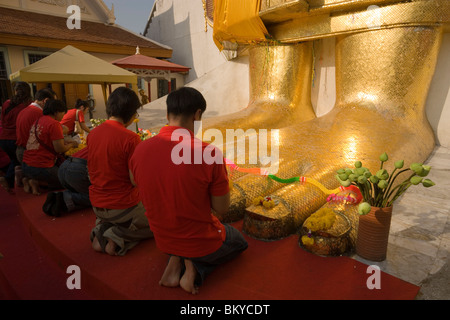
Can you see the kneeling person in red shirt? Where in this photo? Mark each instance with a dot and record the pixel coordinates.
(45, 144)
(179, 196)
(121, 222)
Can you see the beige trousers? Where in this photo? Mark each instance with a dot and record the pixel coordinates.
(126, 227)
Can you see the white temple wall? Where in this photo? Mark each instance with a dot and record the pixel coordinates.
(438, 102)
(180, 24)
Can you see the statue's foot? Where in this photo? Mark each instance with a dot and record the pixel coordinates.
(335, 141)
(280, 90)
(380, 104)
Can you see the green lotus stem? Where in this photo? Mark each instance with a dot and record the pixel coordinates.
(398, 194)
(391, 182)
(364, 190)
(398, 173)
(401, 188)
(390, 176)
(380, 197)
(394, 189)
(379, 193)
(369, 189)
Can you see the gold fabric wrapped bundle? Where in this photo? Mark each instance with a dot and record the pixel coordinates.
(237, 21)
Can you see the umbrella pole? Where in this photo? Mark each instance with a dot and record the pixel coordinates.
(104, 93)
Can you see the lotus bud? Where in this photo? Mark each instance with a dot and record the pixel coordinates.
(374, 179)
(425, 171)
(416, 180)
(399, 164)
(360, 171)
(358, 164)
(340, 171)
(416, 167)
(384, 157)
(362, 179)
(364, 208)
(415, 164)
(343, 177)
(382, 184)
(427, 183)
(348, 172)
(346, 183)
(353, 177)
(367, 174)
(382, 174)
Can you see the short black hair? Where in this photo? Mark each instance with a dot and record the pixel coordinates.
(81, 103)
(123, 103)
(43, 94)
(185, 102)
(53, 106)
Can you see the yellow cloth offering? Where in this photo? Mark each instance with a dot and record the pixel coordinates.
(238, 21)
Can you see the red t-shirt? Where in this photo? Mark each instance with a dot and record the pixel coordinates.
(36, 155)
(25, 121)
(178, 197)
(9, 120)
(110, 148)
(82, 154)
(69, 119)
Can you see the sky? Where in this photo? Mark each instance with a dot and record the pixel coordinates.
(131, 14)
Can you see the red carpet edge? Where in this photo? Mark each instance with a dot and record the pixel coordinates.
(278, 270)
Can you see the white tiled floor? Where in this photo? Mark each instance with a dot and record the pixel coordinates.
(419, 242)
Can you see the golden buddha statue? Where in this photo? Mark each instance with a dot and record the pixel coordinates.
(386, 53)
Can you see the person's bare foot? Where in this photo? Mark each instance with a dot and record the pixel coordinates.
(96, 245)
(111, 248)
(188, 278)
(171, 275)
(34, 184)
(18, 176)
(4, 184)
(26, 185)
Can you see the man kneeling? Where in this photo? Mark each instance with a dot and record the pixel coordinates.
(179, 196)
(121, 222)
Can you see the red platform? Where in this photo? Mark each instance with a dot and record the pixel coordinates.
(37, 247)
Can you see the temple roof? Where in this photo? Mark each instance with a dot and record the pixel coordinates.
(25, 28)
(139, 61)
